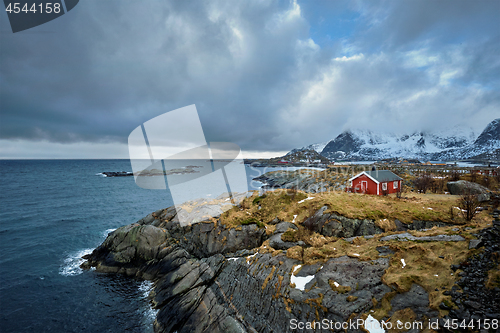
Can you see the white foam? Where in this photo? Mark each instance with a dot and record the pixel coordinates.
(100, 174)
(106, 232)
(146, 287)
(149, 314)
(71, 265)
(403, 262)
(372, 325)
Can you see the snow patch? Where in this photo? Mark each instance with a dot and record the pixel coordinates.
(403, 262)
(372, 325)
(300, 282)
(309, 198)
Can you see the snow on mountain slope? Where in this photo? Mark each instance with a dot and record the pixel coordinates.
(318, 147)
(447, 144)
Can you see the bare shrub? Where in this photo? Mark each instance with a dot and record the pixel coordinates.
(473, 175)
(468, 203)
(487, 181)
(454, 175)
(423, 182)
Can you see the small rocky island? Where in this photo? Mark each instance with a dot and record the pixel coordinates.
(152, 172)
(286, 259)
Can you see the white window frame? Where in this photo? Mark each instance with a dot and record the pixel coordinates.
(395, 184)
(384, 186)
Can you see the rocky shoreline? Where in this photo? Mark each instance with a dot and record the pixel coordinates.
(215, 277)
(306, 180)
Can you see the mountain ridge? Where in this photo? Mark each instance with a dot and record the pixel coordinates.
(455, 143)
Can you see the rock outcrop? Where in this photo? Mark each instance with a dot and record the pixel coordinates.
(464, 187)
(249, 293)
(210, 277)
(331, 224)
(292, 180)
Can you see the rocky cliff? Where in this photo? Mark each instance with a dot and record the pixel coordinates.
(241, 274)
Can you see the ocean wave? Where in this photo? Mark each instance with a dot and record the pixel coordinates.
(106, 232)
(71, 265)
(100, 174)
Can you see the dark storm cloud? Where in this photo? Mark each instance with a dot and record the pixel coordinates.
(253, 70)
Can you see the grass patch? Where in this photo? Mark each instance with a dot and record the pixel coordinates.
(493, 280)
(258, 199)
(340, 289)
(252, 220)
(425, 268)
(384, 210)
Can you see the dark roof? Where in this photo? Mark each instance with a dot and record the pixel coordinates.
(379, 175)
(383, 175)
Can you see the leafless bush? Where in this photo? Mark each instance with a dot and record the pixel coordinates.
(399, 192)
(473, 175)
(468, 203)
(454, 175)
(487, 181)
(423, 182)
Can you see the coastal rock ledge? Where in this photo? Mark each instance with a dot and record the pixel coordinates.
(212, 278)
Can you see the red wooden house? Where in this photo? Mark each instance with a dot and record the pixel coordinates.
(377, 182)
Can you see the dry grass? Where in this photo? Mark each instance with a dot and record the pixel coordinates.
(340, 289)
(284, 205)
(493, 278)
(425, 268)
(423, 263)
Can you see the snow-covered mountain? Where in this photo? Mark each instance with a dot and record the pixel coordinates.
(449, 144)
(318, 147)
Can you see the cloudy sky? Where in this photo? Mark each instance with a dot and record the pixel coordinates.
(267, 75)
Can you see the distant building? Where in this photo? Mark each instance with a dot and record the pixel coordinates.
(377, 182)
